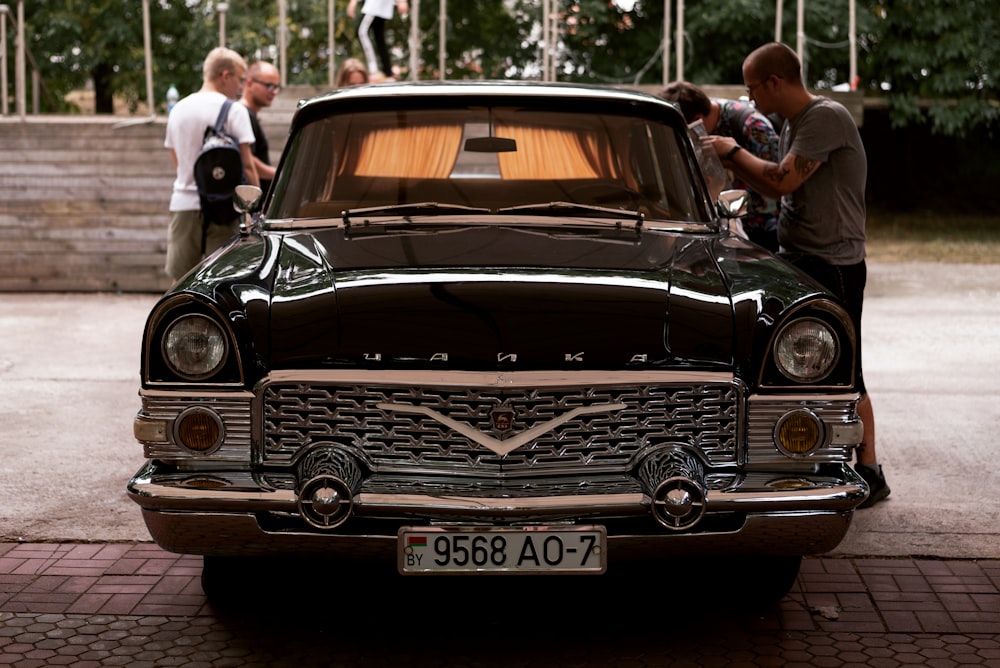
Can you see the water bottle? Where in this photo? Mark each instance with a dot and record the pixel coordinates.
(172, 97)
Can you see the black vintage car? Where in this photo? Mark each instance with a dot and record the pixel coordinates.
(496, 328)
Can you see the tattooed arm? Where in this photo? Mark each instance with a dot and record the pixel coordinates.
(768, 178)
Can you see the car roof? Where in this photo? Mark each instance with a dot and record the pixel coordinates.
(400, 91)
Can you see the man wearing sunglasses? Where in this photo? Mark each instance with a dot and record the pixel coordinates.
(263, 84)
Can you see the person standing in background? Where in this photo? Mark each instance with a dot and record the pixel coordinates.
(820, 177)
(374, 14)
(189, 238)
(352, 73)
(263, 84)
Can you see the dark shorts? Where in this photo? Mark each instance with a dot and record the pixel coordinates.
(846, 281)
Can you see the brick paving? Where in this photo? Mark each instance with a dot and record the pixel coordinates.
(134, 604)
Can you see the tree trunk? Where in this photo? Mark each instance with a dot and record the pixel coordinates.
(103, 76)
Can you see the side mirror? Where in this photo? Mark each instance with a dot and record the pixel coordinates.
(733, 203)
(247, 198)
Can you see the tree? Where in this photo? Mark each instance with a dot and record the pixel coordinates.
(607, 43)
(938, 61)
(76, 42)
(933, 61)
(484, 39)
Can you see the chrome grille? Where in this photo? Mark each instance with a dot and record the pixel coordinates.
(297, 415)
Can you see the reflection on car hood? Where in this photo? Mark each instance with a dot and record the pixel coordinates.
(499, 298)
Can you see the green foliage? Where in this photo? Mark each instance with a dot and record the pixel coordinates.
(253, 32)
(484, 39)
(727, 32)
(77, 42)
(939, 63)
(935, 61)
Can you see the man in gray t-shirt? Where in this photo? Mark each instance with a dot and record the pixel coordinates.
(820, 178)
(825, 215)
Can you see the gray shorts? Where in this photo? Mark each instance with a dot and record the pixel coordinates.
(184, 240)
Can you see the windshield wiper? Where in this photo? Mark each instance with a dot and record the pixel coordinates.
(409, 209)
(562, 208)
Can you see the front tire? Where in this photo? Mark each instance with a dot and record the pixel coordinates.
(767, 580)
(227, 580)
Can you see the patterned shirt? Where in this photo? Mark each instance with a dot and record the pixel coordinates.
(754, 132)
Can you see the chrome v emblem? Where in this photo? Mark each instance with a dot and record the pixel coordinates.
(496, 445)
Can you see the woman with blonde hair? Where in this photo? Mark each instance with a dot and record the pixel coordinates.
(352, 73)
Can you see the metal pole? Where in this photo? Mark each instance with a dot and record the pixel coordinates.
(222, 7)
(19, 92)
(545, 40)
(442, 38)
(330, 46)
(415, 42)
(779, 11)
(854, 47)
(282, 47)
(553, 29)
(679, 45)
(146, 44)
(800, 34)
(4, 9)
(666, 42)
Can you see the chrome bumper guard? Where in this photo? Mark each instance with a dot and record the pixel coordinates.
(215, 513)
(240, 493)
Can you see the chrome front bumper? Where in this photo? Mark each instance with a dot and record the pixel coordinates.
(230, 513)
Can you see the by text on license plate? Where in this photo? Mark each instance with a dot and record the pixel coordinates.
(535, 549)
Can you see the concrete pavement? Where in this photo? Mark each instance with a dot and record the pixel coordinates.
(931, 355)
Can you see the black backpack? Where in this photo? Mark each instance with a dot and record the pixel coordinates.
(218, 170)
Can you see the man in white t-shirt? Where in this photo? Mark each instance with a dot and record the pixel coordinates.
(189, 238)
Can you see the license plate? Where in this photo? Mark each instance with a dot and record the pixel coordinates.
(425, 550)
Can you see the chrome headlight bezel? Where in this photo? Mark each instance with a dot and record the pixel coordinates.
(159, 369)
(194, 346)
(806, 350)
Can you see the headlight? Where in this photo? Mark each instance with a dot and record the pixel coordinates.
(806, 350)
(194, 347)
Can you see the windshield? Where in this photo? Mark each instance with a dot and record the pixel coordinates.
(492, 159)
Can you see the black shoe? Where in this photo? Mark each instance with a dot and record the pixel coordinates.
(878, 489)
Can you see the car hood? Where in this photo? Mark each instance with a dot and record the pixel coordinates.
(499, 298)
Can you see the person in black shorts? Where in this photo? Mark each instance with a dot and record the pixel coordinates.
(820, 178)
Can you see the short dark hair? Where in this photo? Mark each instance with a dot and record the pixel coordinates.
(776, 59)
(692, 100)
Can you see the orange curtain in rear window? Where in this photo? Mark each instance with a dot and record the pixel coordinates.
(550, 153)
(426, 151)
